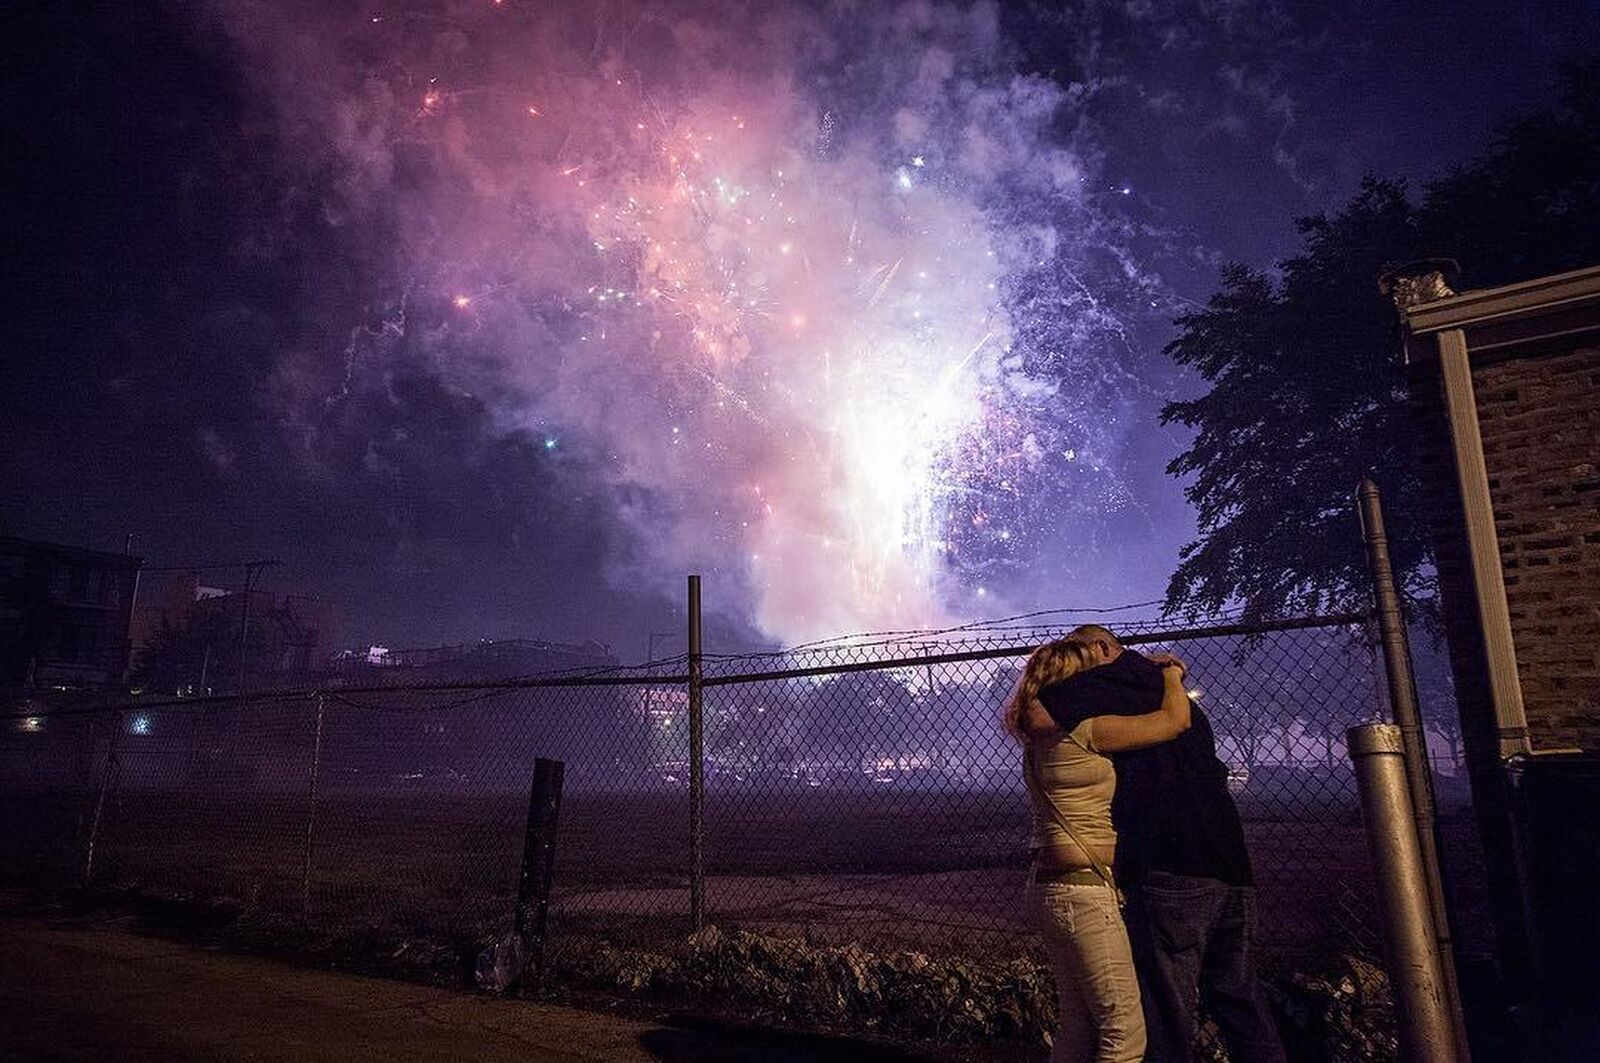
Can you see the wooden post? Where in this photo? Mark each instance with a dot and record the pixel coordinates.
(538, 867)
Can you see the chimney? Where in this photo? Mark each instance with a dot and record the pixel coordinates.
(1412, 284)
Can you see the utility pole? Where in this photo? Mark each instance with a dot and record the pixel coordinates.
(133, 603)
(252, 571)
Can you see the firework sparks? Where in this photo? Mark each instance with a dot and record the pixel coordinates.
(733, 288)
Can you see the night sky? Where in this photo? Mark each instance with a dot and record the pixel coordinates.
(494, 319)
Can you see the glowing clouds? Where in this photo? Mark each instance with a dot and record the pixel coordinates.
(767, 289)
(827, 337)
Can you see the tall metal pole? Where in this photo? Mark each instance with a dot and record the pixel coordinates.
(1408, 718)
(244, 627)
(127, 628)
(697, 776)
(252, 572)
(1427, 1032)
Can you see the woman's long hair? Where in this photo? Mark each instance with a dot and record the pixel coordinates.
(1050, 663)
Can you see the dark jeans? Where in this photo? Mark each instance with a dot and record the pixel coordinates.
(1193, 943)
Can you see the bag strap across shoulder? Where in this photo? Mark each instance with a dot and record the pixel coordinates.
(1037, 784)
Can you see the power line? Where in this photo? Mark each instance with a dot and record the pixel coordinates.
(209, 566)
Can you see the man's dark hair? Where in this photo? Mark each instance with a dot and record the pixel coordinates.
(1091, 633)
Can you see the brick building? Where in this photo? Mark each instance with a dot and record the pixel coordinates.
(1507, 388)
(64, 615)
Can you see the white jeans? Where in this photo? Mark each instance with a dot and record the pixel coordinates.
(1101, 1018)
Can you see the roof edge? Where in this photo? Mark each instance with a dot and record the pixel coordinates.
(1531, 298)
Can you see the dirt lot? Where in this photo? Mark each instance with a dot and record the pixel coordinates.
(933, 871)
(87, 990)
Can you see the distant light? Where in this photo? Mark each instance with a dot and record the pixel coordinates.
(31, 724)
(462, 301)
(918, 160)
(551, 442)
(140, 725)
(1195, 692)
(1126, 190)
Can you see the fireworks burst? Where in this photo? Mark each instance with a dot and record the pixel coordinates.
(791, 329)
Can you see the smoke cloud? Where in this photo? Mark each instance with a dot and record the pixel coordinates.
(830, 302)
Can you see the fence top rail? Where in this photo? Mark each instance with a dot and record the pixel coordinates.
(637, 677)
(334, 691)
(924, 659)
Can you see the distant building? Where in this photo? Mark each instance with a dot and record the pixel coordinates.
(487, 659)
(664, 711)
(288, 640)
(427, 733)
(64, 615)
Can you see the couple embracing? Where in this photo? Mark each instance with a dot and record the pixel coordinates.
(1141, 884)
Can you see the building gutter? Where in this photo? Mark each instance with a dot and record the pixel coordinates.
(1453, 328)
(1483, 542)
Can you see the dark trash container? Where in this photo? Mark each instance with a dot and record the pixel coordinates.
(1555, 804)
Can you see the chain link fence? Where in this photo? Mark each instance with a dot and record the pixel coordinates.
(864, 792)
(858, 791)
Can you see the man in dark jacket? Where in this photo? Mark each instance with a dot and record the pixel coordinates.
(1181, 861)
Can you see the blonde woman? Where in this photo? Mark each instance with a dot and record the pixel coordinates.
(1072, 895)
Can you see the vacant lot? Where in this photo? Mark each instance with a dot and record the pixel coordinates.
(936, 871)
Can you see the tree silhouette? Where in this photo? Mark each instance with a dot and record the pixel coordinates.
(201, 654)
(1307, 386)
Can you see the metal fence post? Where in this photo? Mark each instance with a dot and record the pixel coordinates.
(1408, 717)
(538, 865)
(100, 798)
(697, 773)
(1427, 1033)
(311, 809)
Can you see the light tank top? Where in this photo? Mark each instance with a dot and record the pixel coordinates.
(1081, 781)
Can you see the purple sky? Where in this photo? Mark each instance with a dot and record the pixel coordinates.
(427, 301)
